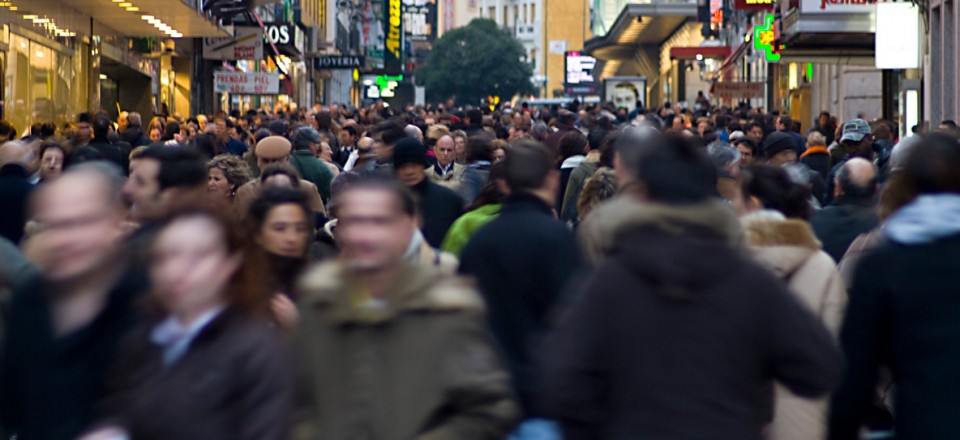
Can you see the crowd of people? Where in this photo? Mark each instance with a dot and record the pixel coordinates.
(462, 273)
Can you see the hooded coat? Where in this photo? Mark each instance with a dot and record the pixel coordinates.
(419, 363)
(790, 250)
(679, 335)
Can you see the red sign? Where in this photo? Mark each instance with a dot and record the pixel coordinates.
(754, 5)
(738, 90)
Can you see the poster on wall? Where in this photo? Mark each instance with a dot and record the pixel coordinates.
(393, 38)
(420, 20)
(625, 91)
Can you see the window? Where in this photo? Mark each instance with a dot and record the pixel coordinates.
(516, 15)
(525, 19)
(493, 13)
(533, 12)
(533, 59)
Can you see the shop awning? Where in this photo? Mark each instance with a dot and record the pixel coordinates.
(699, 52)
(828, 38)
(640, 24)
(129, 20)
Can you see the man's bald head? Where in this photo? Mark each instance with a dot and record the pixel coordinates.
(857, 179)
(365, 142)
(412, 131)
(16, 152)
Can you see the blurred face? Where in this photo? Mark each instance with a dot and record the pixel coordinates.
(499, 155)
(461, 145)
(411, 174)
(784, 157)
(78, 227)
(285, 232)
(702, 128)
(142, 189)
(824, 120)
(264, 162)
(347, 139)
(84, 131)
(51, 164)
(445, 150)
(326, 153)
(191, 266)
(372, 231)
(677, 124)
(218, 184)
(383, 151)
(155, 135)
(756, 134)
(746, 155)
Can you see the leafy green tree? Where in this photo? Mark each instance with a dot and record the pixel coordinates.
(476, 61)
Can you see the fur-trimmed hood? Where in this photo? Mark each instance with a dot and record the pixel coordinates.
(421, 289)
(604, 226)
(781, 244)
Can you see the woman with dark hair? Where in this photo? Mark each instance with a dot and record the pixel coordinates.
(904, 304)
(484, 208)
(774, 214)
(573, 150)
(281, 224)
(207, 366)
(479, 160)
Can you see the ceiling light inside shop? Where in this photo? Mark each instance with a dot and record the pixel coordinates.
(14, 8)
(147, 17)
(133, 9)
(30, 17)
(125, 4)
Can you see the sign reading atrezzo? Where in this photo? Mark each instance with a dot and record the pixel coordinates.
(393, 40)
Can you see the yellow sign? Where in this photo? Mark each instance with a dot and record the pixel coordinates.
(394, 32)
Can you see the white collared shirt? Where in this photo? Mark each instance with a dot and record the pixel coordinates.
(175, 338)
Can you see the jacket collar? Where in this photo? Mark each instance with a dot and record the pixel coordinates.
(332, 288)
(525, 201)
(604, 226)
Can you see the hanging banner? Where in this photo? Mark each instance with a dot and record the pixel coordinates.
(245, 44)
(420, 19)
(738, 90)
(243, 83)
(393, 38)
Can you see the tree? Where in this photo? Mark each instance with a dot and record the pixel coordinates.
(476, 61)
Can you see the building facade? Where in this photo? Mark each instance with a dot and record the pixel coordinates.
(941, 84)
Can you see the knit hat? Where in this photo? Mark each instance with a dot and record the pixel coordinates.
(409, 150)
(273, 147)
(776, 142)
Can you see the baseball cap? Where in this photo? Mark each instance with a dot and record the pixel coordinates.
(854, 130)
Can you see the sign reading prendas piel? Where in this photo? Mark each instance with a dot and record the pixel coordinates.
(738, 90)
(242, 83)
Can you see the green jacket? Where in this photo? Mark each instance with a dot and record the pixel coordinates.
(418, 364)
(313, 169)
(463, 229)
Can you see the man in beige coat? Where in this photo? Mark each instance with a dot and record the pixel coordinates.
(389, 349)
(447, 172)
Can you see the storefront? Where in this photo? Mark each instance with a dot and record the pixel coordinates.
(638, 44)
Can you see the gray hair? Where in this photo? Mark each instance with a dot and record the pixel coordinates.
(18, 152)
(133, 120)
(898, 157)
(723, 154)
(799, 173)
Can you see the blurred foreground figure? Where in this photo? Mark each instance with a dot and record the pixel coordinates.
(389, 349)
(206, 366)
(65, 325)
(678, 335)
(905, 303)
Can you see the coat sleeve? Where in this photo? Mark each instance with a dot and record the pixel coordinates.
(481, 401)
(864, 329)
(572, 389)
(568, 210)
(804, 357)
(265, 393)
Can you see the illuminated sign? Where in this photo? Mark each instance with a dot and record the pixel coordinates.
(765, 38)
(387, 84)
(420, 19)
(579, 78)
(753, 5)
(393, 24)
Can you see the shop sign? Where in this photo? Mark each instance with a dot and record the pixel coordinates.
(765, 39)
(420, 19)
(579, 70)
(245, 44)
(754, 5)
(331, 62)
(393, 38)
(243, 83)
(838, 6)
(738, 90)
(285, 36)
(898, 36)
